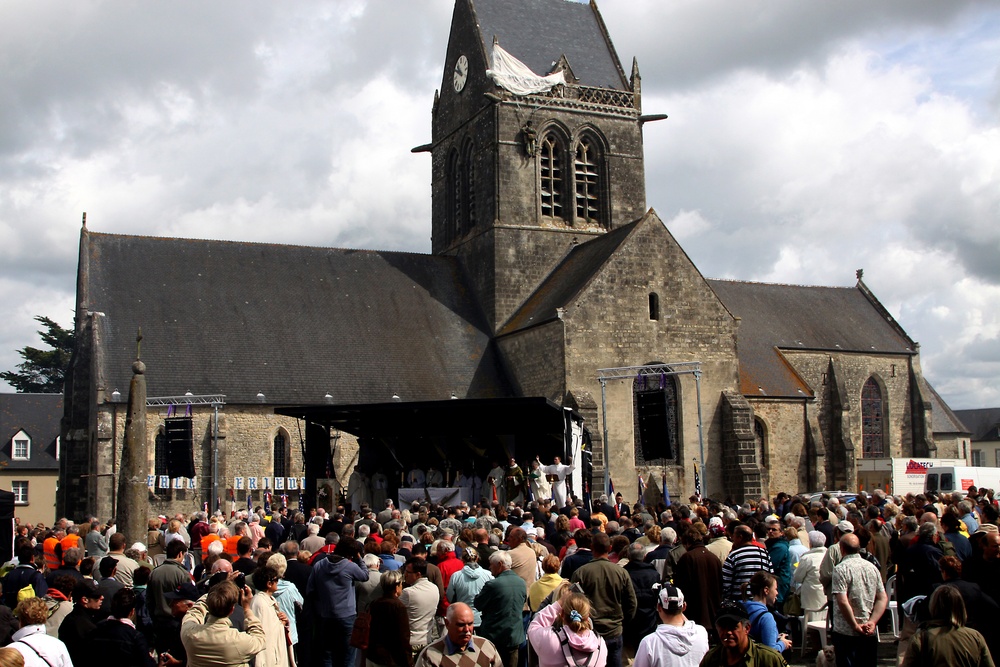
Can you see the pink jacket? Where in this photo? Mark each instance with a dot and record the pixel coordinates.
(547, 642)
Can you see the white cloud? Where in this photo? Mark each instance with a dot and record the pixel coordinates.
(804, 141)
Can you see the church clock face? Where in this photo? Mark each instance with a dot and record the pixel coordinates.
(461, 74)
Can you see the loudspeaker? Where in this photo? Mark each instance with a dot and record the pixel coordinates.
(654, 431)
(180, 446)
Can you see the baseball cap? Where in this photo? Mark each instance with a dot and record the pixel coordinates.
(730, 613)
(671, 597)
(845, 527)
(186, 591)
(86, 589)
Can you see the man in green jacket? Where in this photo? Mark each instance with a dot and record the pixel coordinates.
(611, 594)
(500, 603)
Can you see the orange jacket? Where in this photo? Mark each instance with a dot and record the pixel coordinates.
(70, 542)
(231, 541)
(53, 559)
(205, 541)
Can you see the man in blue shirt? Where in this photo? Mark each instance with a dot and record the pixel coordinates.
(332, 587)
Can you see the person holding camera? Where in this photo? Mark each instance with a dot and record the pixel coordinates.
(209, 637)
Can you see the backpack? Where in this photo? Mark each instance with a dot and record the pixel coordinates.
(584, 659)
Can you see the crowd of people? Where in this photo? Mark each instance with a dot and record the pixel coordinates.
(510, 584)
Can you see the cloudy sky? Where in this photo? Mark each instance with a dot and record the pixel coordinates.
(805, 140)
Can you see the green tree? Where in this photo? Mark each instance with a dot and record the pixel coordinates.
(43, 371)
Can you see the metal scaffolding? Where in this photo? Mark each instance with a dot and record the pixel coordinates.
(632, 372)
(216, 401)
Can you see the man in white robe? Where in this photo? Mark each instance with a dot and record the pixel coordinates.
(558, 472)
(415, 479)
(434, 477)
(357, 489)
(540, 487)
(380, 488)
(466, 483)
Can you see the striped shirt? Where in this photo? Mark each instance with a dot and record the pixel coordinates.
(740, 565)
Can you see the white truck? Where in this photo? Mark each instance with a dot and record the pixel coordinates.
(899, 476)
(948, 479)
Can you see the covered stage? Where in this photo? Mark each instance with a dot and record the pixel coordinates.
(450, 435)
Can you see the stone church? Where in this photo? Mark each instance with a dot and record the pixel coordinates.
(552, 289)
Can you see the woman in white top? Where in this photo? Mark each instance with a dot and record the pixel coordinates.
(31, 641)
(806, 575)
(276, 652)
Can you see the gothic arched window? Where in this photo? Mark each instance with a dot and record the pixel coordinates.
(655, 409)
(872, 420)
(281, 462)
(551, 171)
(760, 440)
(586, 176)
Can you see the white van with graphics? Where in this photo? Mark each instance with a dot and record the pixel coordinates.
(959, 478)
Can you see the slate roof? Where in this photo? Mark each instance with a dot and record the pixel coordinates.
(776, 317)
(39, 416)
(983, 423)
(292, 322)
(538, 32)
(566, 281)
(943, 419)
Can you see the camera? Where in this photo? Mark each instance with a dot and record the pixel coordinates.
(240, 581)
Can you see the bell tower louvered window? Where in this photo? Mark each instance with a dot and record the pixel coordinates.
(587, 179)
(552, 177)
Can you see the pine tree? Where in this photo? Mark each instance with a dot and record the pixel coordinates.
(43, 371)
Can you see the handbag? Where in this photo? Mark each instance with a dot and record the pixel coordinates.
(793, 604)
(359, 633)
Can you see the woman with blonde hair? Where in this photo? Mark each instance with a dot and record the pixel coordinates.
(575, 643)
(31, 641)
(546, 583)
(10, 657)
(287, 596)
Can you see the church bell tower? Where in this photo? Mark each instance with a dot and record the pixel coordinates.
(527, 164)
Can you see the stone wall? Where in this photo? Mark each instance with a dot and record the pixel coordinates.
(245, 446)
(740, 464)
(609, 326)
(837, 379)
(786, 459)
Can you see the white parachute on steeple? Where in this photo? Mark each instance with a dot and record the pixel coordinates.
(515, 77)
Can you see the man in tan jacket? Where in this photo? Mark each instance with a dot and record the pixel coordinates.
(209, 636)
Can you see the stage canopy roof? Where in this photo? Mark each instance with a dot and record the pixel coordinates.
(533, 416)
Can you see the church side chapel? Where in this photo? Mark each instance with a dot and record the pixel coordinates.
(555, 316)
